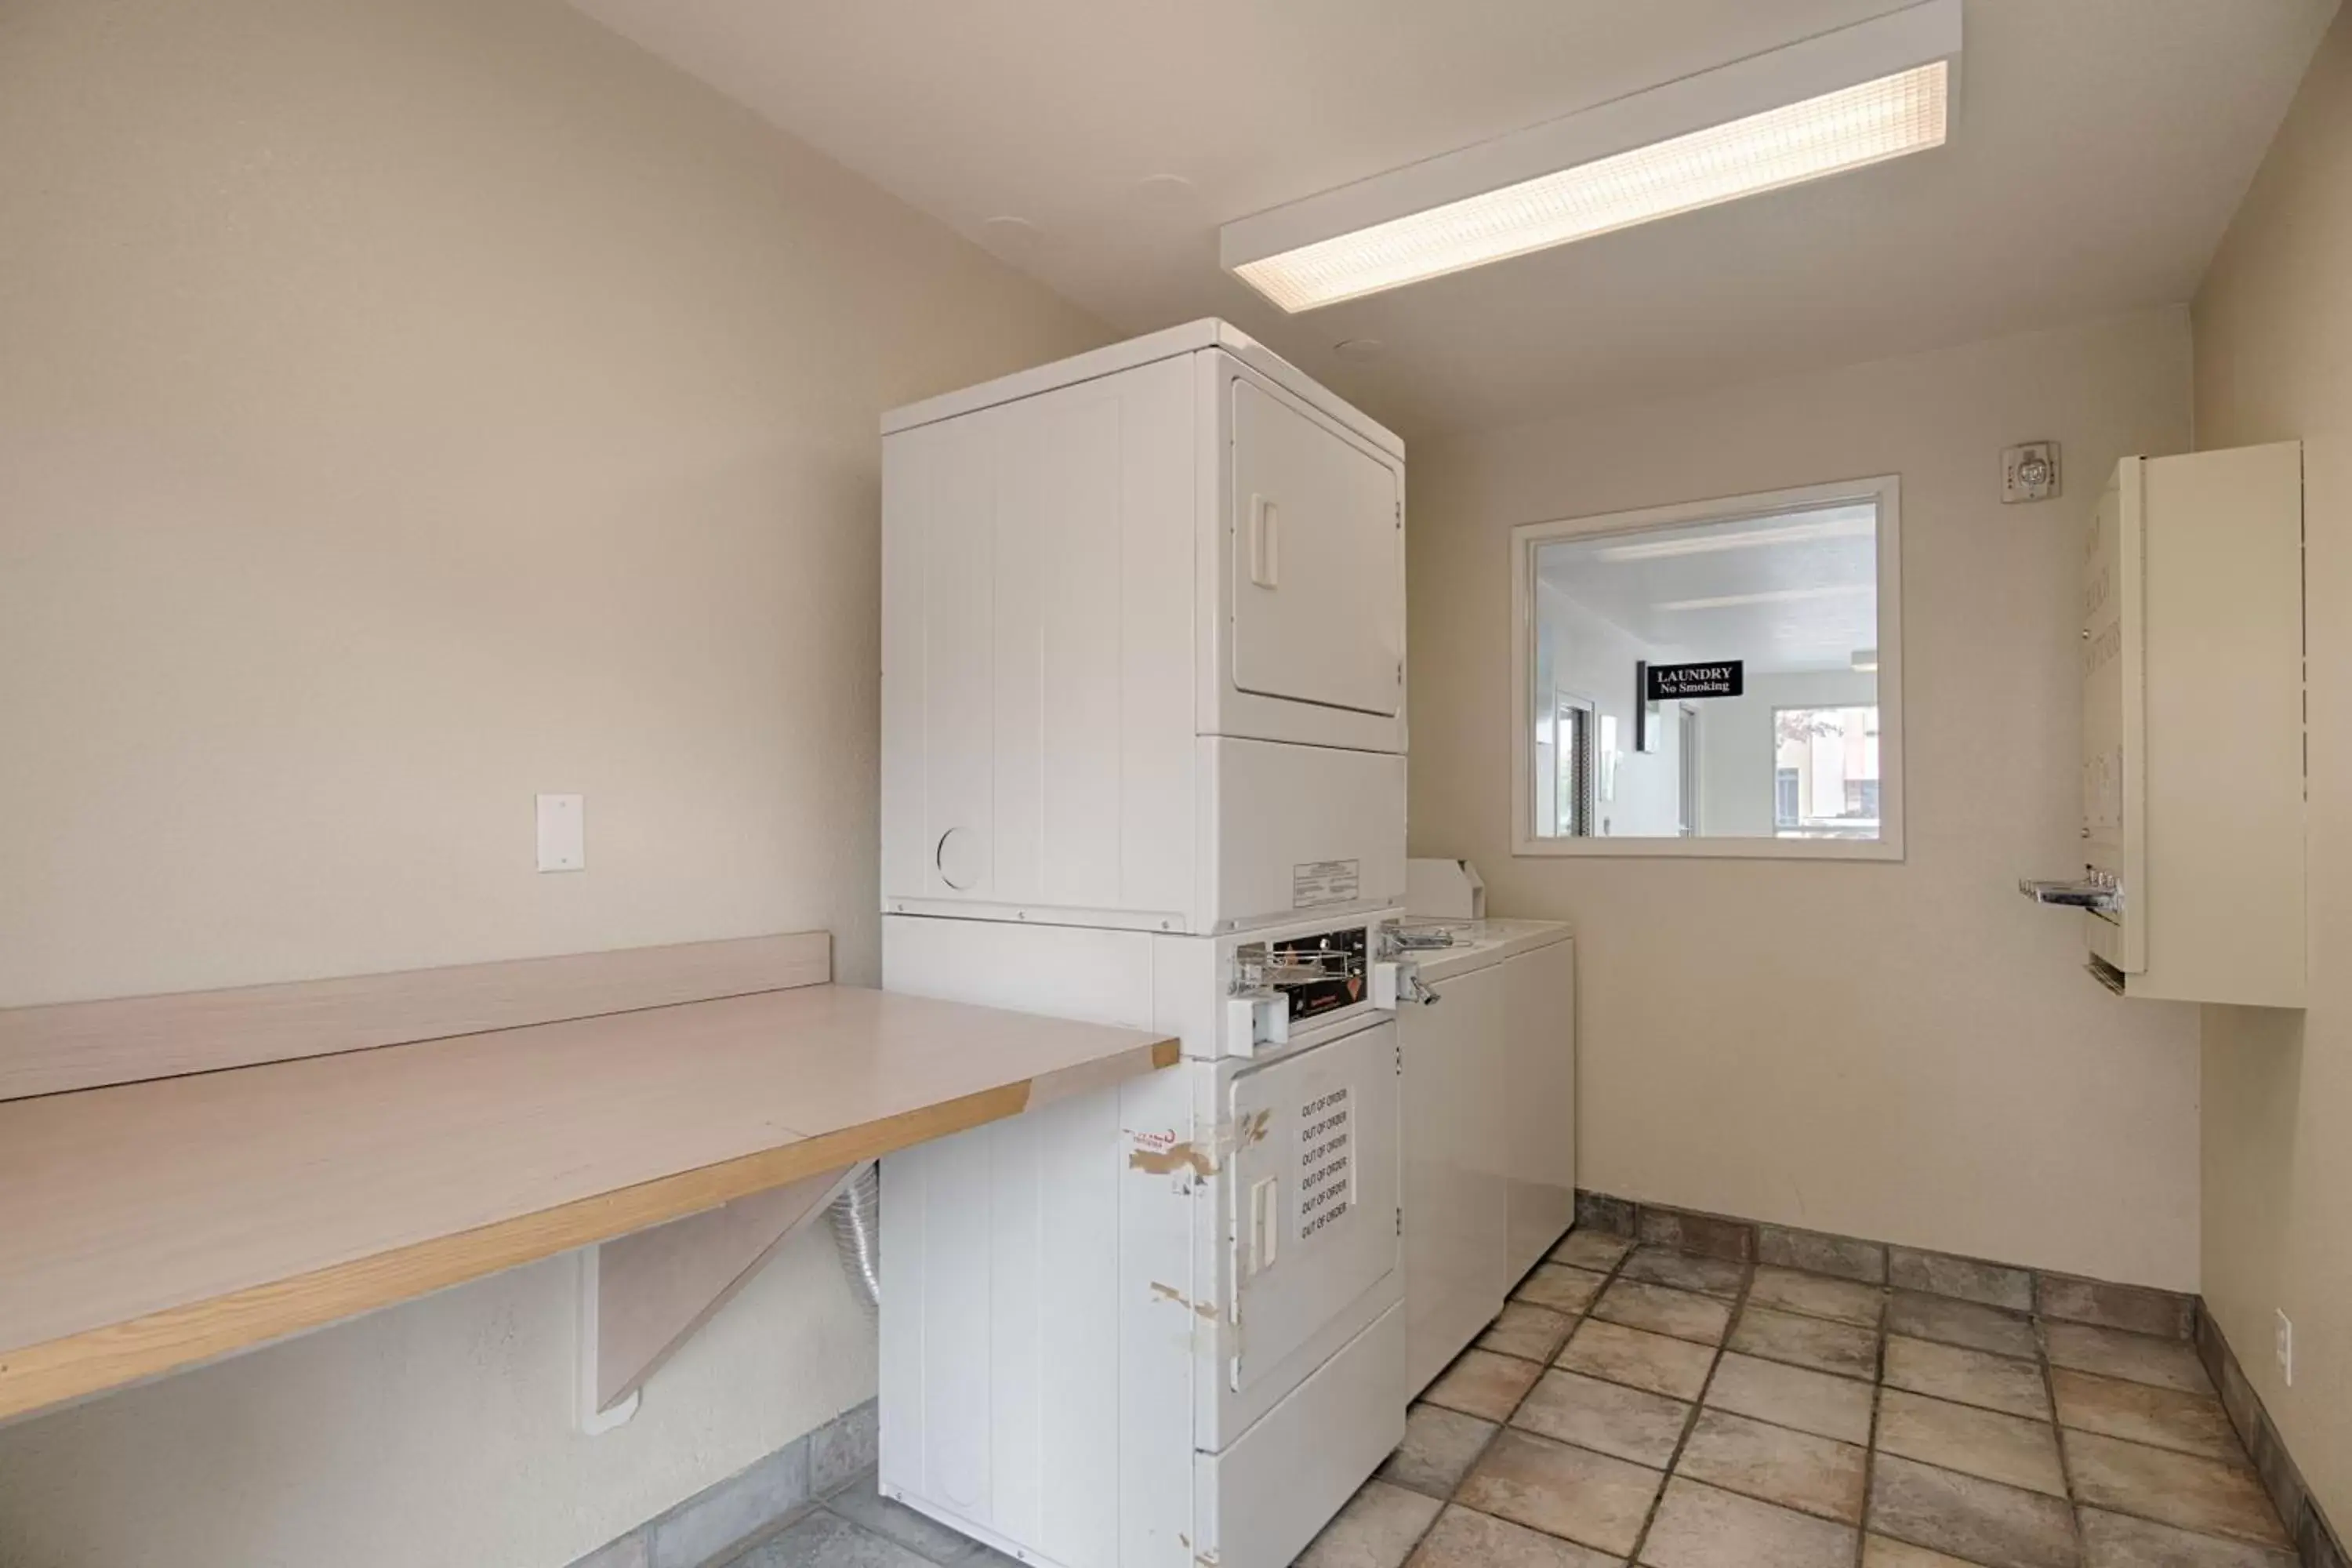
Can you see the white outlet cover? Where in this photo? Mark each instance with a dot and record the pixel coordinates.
(2284, 1334)
(562, 832)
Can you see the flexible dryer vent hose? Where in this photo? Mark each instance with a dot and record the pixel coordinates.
(857, 1216)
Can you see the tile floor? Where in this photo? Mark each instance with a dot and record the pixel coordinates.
(856, 1527)
(1642, 1405)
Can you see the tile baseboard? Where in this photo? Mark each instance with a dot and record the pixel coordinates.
(2068, 1297)
(2314, 1537)
(765, 1495)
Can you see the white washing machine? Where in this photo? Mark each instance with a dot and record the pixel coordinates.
(1158, 1325)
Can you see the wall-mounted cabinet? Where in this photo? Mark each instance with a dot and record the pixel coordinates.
(2193, 707)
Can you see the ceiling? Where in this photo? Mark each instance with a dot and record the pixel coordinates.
(2098, 149)
(1792, 591)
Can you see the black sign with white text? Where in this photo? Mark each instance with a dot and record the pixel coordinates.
(1663, 683)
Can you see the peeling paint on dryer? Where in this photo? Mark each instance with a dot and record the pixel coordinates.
(1170, 1293)
(1173, 1159)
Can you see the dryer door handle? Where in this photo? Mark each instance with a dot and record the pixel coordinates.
(1265, 543)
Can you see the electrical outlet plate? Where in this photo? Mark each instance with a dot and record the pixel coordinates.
(2284, 1333)
(2029, 472)
(562, 832)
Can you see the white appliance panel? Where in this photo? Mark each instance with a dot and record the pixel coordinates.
(1071, 972)
(1455, 1209)
(1036, 1386)
(1316, 525)
(1265, 1498)
(1300, 830)
(1311, 1193)
(1037, 650)
(1539, 1034)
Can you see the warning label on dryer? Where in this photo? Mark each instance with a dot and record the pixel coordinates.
(1314, 883)
(1326, 1161)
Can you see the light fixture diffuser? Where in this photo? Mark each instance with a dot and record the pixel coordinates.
(1822, 105)
(1826, 135)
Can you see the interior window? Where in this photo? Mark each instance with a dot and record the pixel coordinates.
(1713, 679)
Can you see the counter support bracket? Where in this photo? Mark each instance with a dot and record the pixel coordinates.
(644, 1295)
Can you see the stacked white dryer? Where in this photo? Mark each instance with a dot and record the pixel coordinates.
(1143, 762)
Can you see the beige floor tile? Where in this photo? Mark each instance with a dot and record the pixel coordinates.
(2138, 1358)
(1590, 1499)
(1662, 1310)
(2161, 1417)
(1609, 1417)
(1974, 1442)
(1662, 1366)
(1952, 1321)
(1378, 1529)
(1533, 1333)
(1560, 1287)
(1846, 1349)
(1699, 1526)
(1598, 1249)
(1484, 1384)
(1438, 1450)
(2202, 1495)
(1795, 1397)
(2117, 1540)
(1973, 1520)
(1817, 1295)
(1885, 1552)
(1465, 1538)
(1795, 1469)
(1685, 1271)
(1967, 1377)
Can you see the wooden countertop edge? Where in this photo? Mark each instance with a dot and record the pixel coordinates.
(94, 1361)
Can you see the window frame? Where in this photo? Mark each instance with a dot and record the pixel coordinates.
(1886, 492)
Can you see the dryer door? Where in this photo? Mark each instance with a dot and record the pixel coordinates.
(1318, 574)
(1313, 1193)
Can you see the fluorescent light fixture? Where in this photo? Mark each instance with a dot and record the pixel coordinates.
(1838, 101)
(1865, 661)
(1771, 596)
(1753, 538)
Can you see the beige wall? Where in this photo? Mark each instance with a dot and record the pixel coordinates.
(2274, 362)
(410, 405)
(1966, 1086)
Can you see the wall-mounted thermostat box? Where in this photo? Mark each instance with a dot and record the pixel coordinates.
(2193, 729)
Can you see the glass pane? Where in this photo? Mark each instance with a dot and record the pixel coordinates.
(1825, 773)
(1714, 680)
